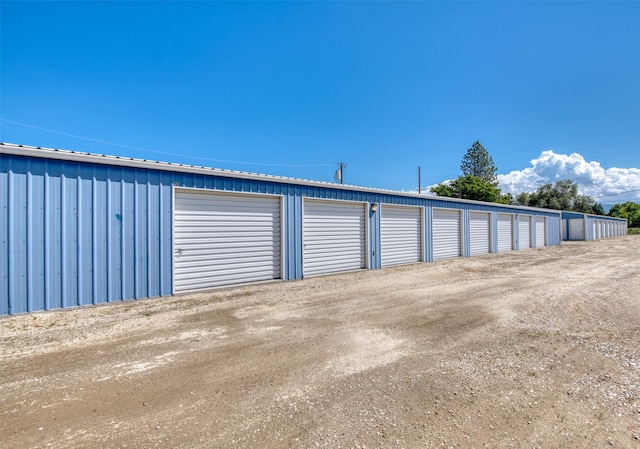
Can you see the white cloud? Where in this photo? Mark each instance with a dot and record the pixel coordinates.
(611, 185)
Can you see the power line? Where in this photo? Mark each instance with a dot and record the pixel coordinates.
(160, 152)
(618, 194)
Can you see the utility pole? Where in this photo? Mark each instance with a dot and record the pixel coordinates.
(419, 181)
(339, 173)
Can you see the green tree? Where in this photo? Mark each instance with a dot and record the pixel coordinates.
(471, 187)
(628, 210)
(563, 195)
(523, 198)
(478, 181)
(587, 205)
(478, 162)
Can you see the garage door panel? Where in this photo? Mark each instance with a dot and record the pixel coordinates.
(524, 231)
(223, 239)
(479, 233)
(505, 232)
(541, 232)
(334, 237)
(576, 229)
(446, 234)
(400, 235)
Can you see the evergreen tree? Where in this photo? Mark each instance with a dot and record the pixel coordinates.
(478, 162)
(479, 179)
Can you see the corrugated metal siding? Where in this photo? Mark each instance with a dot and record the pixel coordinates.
(541, 232)
(553, 226)
(400, 235)
(524, 231)
(446, 234)
(223, 239)
(334, 237)
(293, 236)
(73, 236)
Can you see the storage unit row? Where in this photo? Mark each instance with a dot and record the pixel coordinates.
(78, 228)
(578, 226)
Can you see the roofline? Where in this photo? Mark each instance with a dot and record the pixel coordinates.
(103, 159)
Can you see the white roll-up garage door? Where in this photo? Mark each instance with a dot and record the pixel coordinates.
(576, 229)
(505, 232)
(541, 232)
(222, 239)
(479, 233)
(334, 237)
(524, 232)
(400, 235)
(446, 234)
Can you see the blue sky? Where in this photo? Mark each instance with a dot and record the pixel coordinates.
(552, 90)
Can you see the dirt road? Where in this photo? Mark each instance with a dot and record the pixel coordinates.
(539, 348)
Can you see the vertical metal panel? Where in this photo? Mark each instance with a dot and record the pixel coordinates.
(127, 190)
(53, 233)
(101, 256)
(114, 235)
(428, 220)
(223, 239)
(400, 235)
(5, 257)
(85, 234)
(541, 231)
(293, 235)
(334, 237)
(598, 229)
(524, 231)
(505, 232)
(69, 237)
(479, 233)
(374, 243)
(466, 245)
(447, 236)
(553, 234)
(153, 232)
(17, 238)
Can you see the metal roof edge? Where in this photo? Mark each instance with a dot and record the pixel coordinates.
(76, 156)
(608, 217)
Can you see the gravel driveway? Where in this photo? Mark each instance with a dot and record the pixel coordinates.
(534, 349)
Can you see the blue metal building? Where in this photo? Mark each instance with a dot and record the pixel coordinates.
(79, 228)
(579, 226)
